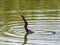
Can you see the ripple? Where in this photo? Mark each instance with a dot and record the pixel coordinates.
(9, 43)
(13, 32)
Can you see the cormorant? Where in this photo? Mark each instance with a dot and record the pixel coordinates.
(28, 30)
(25, 25)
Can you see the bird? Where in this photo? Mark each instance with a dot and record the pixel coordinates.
(26, 25)
(28, 30)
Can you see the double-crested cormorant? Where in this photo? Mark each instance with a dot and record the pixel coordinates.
(26, 24)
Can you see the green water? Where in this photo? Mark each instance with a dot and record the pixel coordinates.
(29, 4)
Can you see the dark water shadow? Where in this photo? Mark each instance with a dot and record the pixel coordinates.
(25, 39)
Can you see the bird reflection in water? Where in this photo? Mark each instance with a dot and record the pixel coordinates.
(28, 31)
(25, 39)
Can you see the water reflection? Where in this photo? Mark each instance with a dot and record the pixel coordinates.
(25, 39)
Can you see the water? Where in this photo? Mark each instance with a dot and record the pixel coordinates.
(12, 28)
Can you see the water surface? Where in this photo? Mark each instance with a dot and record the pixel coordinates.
(40, 21)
